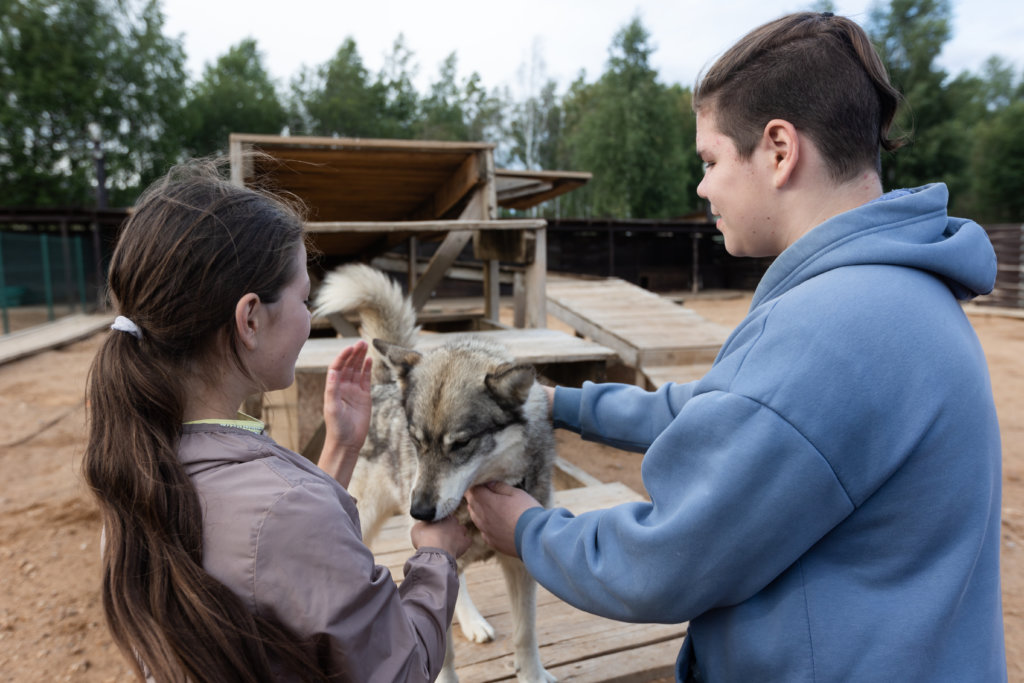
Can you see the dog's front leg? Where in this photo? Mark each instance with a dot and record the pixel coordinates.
(474, 625)
(448, 674)
(522, 593)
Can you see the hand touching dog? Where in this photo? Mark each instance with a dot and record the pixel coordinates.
(495, 509)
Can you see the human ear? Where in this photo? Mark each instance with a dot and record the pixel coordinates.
(783, 143)
(246, 321)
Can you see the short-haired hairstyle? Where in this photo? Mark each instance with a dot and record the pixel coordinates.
(816, 70)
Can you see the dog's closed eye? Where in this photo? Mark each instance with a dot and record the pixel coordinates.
(459, 444)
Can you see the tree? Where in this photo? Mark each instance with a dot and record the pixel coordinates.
(534, 123)
(627, 129)
(454, 111)
(997, 165)
(338, 98)
(401, 101)
(235, 95)
(68, 67)
(909, 35)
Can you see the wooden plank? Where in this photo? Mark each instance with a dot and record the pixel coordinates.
(60, 332)
(467, 177)
(536, 346)
(421, 227)
(554, 350)
(291, 142)
(642, 327)
(574, 645)
(439, 264)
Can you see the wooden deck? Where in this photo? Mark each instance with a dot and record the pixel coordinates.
(662, 340)
(51, 335)
(574, 646)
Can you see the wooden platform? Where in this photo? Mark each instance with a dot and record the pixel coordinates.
(574, 646)
(293, 415)
(51, 335)
(662, 340)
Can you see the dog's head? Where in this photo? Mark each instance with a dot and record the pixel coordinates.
(467, 404)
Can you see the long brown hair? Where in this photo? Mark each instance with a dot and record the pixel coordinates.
(194, 245)
(818, 71)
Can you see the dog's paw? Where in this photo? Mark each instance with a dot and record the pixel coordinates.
(477, 630)
(537, 675)
(447, 675)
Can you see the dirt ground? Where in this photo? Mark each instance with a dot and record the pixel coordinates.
(51, 623)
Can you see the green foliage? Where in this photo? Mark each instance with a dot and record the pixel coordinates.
(401, 101)
(70, 65)
(997, 165)
(454, 111)
(627, 130)
(909, 35)
(235, 95)
(338, 98)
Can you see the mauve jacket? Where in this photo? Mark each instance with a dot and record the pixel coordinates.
(284, 536)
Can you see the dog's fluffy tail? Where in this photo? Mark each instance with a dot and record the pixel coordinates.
(384, 312)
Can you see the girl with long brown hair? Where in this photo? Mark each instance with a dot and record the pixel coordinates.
(226, 556)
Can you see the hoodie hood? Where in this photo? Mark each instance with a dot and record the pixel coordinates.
(907, 228)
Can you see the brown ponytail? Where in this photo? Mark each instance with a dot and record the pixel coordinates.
(194, 245)
(816, 70)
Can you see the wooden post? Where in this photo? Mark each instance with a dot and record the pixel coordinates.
(536, 278)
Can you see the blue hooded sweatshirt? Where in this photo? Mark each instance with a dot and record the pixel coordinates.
(825, 502)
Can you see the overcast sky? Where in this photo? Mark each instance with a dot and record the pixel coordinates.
(497, 39)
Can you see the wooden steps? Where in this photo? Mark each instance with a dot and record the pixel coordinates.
(574, 645)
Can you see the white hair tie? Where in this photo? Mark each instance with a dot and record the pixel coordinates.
(123, 324)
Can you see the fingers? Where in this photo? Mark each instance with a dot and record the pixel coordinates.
(351, 366)
(497, 487)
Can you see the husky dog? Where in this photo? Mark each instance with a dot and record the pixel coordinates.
(444, 420)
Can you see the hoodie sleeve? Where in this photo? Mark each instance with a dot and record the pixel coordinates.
(313, 571)
(737, 495)
(619, 415)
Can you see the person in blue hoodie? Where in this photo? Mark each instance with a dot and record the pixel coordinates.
(825, 501)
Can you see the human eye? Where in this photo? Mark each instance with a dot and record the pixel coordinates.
(707, 165)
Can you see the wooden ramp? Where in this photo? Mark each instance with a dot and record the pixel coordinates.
(60, 332)
(662, 340)
(574, 646)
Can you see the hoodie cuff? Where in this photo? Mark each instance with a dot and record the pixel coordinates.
(524, 520)
(565, 409)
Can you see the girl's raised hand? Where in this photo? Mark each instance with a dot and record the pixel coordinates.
(347, 407)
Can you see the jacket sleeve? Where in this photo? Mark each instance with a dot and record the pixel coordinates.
(314, 573)
(619, 415)
(737, 495)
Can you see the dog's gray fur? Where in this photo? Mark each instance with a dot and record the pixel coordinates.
(457, 415)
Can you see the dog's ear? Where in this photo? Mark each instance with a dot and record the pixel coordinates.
(400, 359)
(511, 383)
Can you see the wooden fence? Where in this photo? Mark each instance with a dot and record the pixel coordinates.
(1008, 240)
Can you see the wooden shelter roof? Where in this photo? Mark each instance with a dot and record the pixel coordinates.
(523, 189)
(362, 179)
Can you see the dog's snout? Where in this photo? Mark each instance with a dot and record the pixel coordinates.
(422, 508)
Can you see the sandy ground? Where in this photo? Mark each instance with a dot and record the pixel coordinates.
(51, 623)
